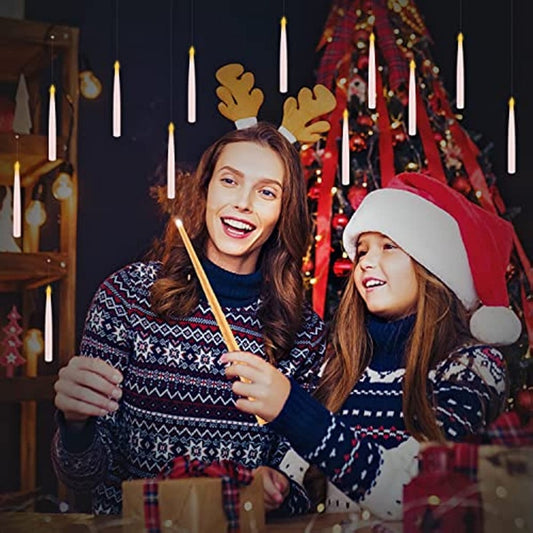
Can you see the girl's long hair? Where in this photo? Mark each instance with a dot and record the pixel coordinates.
(177, 291)
(441, 326)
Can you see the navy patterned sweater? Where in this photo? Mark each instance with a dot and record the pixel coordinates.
(176, 399)
(364, 448)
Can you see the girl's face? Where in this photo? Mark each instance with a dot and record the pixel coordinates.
(385, 277)
(243, 204)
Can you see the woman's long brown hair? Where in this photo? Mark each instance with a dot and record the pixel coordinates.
(176, 293)
(440, 327)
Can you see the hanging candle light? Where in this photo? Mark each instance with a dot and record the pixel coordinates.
(52, 125)
(460, 74)
(191, 115)
(283, 59)
(171, 164)
(511, 139)
(372, 73)
(16, 201)
(511, 124)
(412, 99)
(48, 327)
(116, 101)
(345, 169)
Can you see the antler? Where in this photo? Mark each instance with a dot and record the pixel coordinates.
(238, 100)
(297, 115)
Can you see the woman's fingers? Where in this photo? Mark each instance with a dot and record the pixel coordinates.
(243, 371)
(244, 357)
(86, 395)
(87, 387)
(96, 366)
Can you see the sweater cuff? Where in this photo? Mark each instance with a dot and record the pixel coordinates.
(76, 438)
(303, 421)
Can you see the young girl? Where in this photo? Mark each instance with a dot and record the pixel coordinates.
(405, 365)
(151, 330)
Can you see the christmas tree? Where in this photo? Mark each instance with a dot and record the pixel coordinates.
(380, 146)
(11, 343)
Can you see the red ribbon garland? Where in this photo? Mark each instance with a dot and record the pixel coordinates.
(232, 477)
(386, 153)
(428, 140)
(325, 202)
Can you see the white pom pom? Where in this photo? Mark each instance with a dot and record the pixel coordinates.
(495, 325)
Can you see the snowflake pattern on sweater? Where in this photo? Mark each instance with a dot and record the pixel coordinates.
(176, 399)
(364, 448)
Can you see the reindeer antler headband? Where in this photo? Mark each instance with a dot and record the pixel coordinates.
(240, 102)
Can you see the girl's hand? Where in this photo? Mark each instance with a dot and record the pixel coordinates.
(275, 487)
(267, 389)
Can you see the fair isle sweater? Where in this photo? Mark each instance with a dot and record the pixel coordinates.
(364, 448)
(176, 399)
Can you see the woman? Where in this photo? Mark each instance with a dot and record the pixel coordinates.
(404, 365)
(148, 385)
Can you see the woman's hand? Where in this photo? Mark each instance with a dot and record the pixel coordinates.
(267, 388)
(276, 486)
(87, 387)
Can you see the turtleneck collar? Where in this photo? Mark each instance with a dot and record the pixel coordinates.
(389, 339)
(232, 290)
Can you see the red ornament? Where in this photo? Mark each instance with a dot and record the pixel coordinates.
(524, 402)
(339, 221)
(342, 267)
(398, 136)
(461, 184)
(357, 142)
(307, 157)
(314, 191)
(362, 62)
(308, 266)
(356, 193)
(361, 36)
(437, 135)
(365, 120)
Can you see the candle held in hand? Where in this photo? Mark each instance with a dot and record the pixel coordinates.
(227, 334)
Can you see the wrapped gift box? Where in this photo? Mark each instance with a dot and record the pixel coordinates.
(192, 504)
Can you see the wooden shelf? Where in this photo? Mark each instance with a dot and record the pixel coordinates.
(20, 389)
(33, 157)
(31, 270)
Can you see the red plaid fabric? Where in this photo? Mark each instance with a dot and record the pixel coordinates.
(386, 40)
(151, 507)
(232, 477)
(508, 430)
(339, 45)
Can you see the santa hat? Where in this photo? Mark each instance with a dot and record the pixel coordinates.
(466, 247)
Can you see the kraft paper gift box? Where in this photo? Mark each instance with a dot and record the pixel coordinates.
(505, 481)
(192, 505)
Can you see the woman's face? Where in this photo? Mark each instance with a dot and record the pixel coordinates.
(243, 204)
(385, 277)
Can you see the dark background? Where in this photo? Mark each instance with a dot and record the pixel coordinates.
(117, 218)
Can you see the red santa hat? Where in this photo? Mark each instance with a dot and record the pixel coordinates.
(465, 246)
